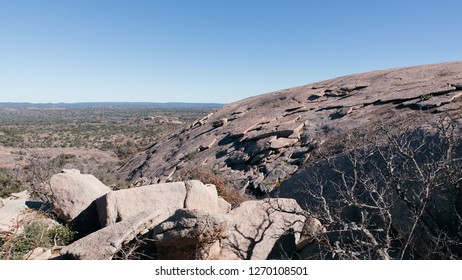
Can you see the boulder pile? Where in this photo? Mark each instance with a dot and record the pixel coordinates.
(183, 220)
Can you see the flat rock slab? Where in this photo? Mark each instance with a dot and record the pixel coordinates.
(105, 243)
(282, 142)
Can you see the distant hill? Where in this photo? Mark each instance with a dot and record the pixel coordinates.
(113, 104)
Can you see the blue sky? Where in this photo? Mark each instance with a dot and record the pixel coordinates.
(209, 51)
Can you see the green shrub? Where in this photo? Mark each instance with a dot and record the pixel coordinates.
(191, 155)
(61, 160)
(8, 184)
(36, 234)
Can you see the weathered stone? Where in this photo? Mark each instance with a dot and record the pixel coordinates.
(355, 86)
(220, 122)
(13, 215)
(237, 131)
(259, 146)
(105, 243)
(278, 174)
(72, 192)
(208, 145)
(291, 109)
(257, 227)
(167, 197)
(285, 129)
(256, 135)
(259, 157)
(301, 110)
(299, 152)
(336, 93)
(205, 198)
(282, 142)
(18, 212)
(191, 234)
(120, 205)
(440, 100)
(238, 157)
(344, 111)
(312, 229)
(331, 88)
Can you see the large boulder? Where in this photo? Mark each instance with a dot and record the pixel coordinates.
(105, 243)
(168, 197)
(72, 192)
(260, 229)
(120, 205)
(191, 234)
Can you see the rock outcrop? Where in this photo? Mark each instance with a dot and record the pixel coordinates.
(261, 141)
(188, 220)
(119, 205)
(72, 192)
(257, 230)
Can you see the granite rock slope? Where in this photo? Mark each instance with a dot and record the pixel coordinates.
(261, 141)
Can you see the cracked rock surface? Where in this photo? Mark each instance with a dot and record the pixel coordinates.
(260, 141)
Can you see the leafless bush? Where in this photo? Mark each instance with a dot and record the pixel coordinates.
(140, 248)
(396, 197)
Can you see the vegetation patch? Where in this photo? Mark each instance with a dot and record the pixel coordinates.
(9, 184)
(37, 234)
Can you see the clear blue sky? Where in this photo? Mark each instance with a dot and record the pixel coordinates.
(210, 51)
